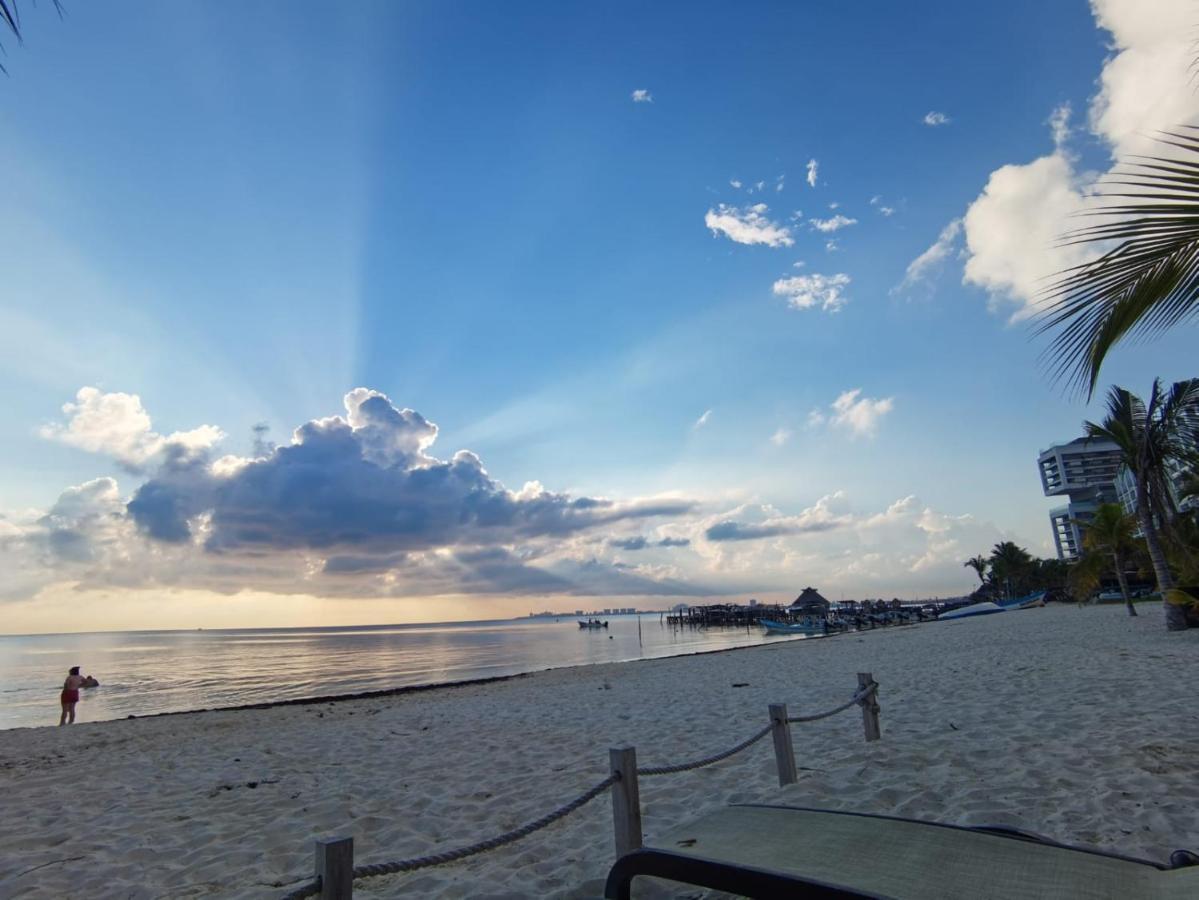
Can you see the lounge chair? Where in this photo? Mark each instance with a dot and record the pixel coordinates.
(790, 852)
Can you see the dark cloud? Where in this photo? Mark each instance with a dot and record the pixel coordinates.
(730, 530)
(363, 488)
(640, 542)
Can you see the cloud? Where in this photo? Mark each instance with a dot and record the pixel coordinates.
(735, 183)
(806, 291)
(859, 415)
(877, 202)
(924, 269)
(780, 437)
(933, 119)
(702, 420)
(827, 514)
(118, 426)
(834, 223)
(779, 183)
(1013, 228)
(355, 504)
(642, 96)
(813, 168)
(831, 246)
(640, 542)
(748, 226)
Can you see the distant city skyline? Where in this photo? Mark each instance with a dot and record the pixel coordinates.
(397, 312)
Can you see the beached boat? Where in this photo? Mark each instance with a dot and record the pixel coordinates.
(806, 627)
(1027, 602)
(974, 609)
(593, 624)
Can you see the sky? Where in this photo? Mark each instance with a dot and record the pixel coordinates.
(383, 312)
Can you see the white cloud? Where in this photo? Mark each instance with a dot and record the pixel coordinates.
(117, 425)
(813, 168)
(877, 202)
(780, 437)
(860, 415)
(748, 226)
(1059, 125)
(702, 420)
(735, 183)
(925, 267)
(831, 246)
(833, 223)
(779, 183)
(642, 96)
(806, 291)
(933, 119)
(854, 413)
(1013, 228)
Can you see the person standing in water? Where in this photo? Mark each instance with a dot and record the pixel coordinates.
(70, 695)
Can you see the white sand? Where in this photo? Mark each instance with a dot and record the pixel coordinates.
(1078, 724)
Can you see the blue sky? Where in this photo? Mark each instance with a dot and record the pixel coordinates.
(239, 218)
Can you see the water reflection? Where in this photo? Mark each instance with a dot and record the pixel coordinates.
(164, 671)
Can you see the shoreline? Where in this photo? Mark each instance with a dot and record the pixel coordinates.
(440, 685)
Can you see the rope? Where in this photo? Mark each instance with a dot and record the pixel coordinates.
(438, 859)
(857, 699)
(313, 888)
(707, 760)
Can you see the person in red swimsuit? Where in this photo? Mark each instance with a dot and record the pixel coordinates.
(70, 696)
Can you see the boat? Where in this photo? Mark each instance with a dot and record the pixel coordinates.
(974, 609)
(806, 627)
(593, 623)
(1027, 602)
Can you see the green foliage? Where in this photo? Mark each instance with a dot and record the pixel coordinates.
(1148, 281)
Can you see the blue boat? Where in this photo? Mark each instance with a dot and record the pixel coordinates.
(1028, 601)
(808, 627)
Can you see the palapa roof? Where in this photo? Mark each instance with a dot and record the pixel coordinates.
(810, 597)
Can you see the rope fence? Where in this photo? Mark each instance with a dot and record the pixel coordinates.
(336, 872)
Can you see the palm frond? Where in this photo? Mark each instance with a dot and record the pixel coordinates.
(1146, 280)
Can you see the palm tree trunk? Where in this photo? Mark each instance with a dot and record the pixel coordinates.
(1132, 610)
(1175, 615)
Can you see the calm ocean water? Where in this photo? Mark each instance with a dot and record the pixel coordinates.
(143, 672)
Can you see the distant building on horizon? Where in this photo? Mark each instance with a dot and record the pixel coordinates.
(1084, 470)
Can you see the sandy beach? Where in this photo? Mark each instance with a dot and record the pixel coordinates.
(1075, 723)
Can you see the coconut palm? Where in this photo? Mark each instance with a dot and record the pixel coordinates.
(1151, 436)
(1110, 534)
(1010, 565)
(978, 564)
(1146, 278)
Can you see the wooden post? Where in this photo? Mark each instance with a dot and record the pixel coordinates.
(784, 755)
(626, 800)
(870, 707)
(335, 867)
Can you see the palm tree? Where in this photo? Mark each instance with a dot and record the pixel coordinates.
(1009, 564)
(979, 565)
(1109, 533)
(1150, 437)
(1144, 284)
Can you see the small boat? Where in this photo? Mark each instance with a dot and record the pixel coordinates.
(807, 627)
(974, 609)
(1027, 602)
(593, 623)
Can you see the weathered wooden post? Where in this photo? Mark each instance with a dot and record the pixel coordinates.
(784, 755)
(335, 867)
(626, 799)
(870, 708)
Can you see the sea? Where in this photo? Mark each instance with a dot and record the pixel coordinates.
(147, 672)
